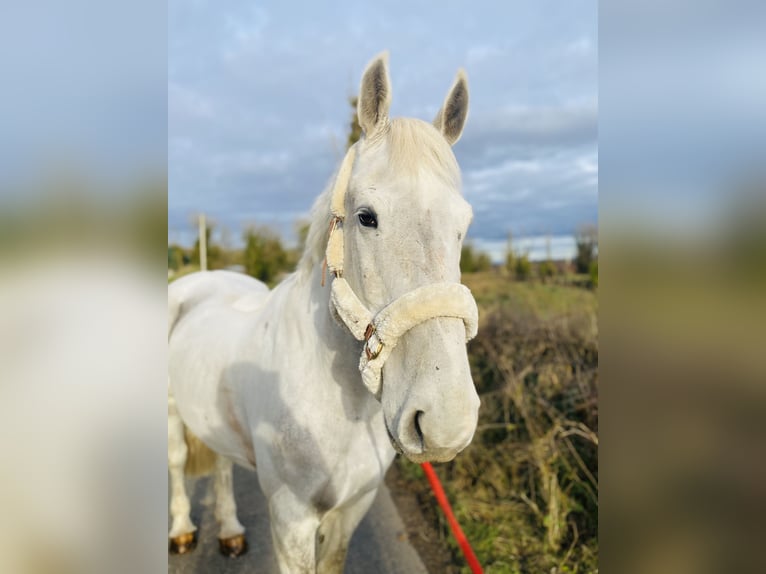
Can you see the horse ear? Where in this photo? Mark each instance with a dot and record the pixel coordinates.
(451, 117)
(374, 95)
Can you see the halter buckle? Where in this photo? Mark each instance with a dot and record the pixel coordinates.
(336, 219)
(373, 354)
(369, 332)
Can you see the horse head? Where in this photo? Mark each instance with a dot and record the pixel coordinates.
(403, 222)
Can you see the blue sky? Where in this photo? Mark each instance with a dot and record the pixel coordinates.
(258, 112)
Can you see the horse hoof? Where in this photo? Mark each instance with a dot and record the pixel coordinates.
(183, 544)
(233, 546)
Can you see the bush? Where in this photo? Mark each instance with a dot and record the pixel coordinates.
(546, 270)
(522, 268)
(483, 262)
(587, 245)
(473, 260)
(264, 257)
(176, 257)
(526, 491)
(510, 262)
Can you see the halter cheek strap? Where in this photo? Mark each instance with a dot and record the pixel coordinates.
(381, 331)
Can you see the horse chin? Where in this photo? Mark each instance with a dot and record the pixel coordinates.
(439, 455)
(430, 456)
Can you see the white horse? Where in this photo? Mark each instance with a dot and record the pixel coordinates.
(272, 378)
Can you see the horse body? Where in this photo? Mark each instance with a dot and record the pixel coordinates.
(261, 354)
(271, 379)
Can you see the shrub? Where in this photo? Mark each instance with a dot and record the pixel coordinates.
(522, 268)
(176, 257)
(526, 491)
(483, 262)
(473, 260)
(510, 262)
(546, 270)
(264, 257)
(587, 246)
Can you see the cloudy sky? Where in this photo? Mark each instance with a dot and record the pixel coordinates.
(258, 111)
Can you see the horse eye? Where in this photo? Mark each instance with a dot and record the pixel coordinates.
(368, 219)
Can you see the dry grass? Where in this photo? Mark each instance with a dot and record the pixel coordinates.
(526, 490)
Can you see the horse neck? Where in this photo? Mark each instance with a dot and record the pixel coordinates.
(336, 349)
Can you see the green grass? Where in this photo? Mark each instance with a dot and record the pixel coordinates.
(493, 290)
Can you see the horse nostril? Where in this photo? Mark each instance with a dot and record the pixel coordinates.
(418, 430)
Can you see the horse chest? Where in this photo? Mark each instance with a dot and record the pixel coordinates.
(329, 459)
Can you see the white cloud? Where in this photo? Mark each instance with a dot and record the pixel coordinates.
(179, 145)
(184, 101)
(248, 162)
(583, 46)
(508, 167)
(244, 31)
(588, 165)
(481, 53)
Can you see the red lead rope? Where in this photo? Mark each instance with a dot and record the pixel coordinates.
(465, 546)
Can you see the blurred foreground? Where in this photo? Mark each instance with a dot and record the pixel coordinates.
(83, 383)
(683, 402)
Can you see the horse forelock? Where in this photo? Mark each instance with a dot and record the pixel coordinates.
(413, 147)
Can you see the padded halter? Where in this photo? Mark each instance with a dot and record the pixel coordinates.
(381, 331)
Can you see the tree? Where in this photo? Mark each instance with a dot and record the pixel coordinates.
(483, 262)
(509, 255)
(176, 257)
(586, 239)
(547, 269)
(264, 256)
(467, 258)
(510, 261)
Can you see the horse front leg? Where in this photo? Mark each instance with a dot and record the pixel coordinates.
(294, 527)
(231, 536)
(183, 538)
(335, 531)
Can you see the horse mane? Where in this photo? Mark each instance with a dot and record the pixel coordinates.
(413, 146)
(319, 231)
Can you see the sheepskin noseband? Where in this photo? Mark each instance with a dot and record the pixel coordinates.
(381, 331)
